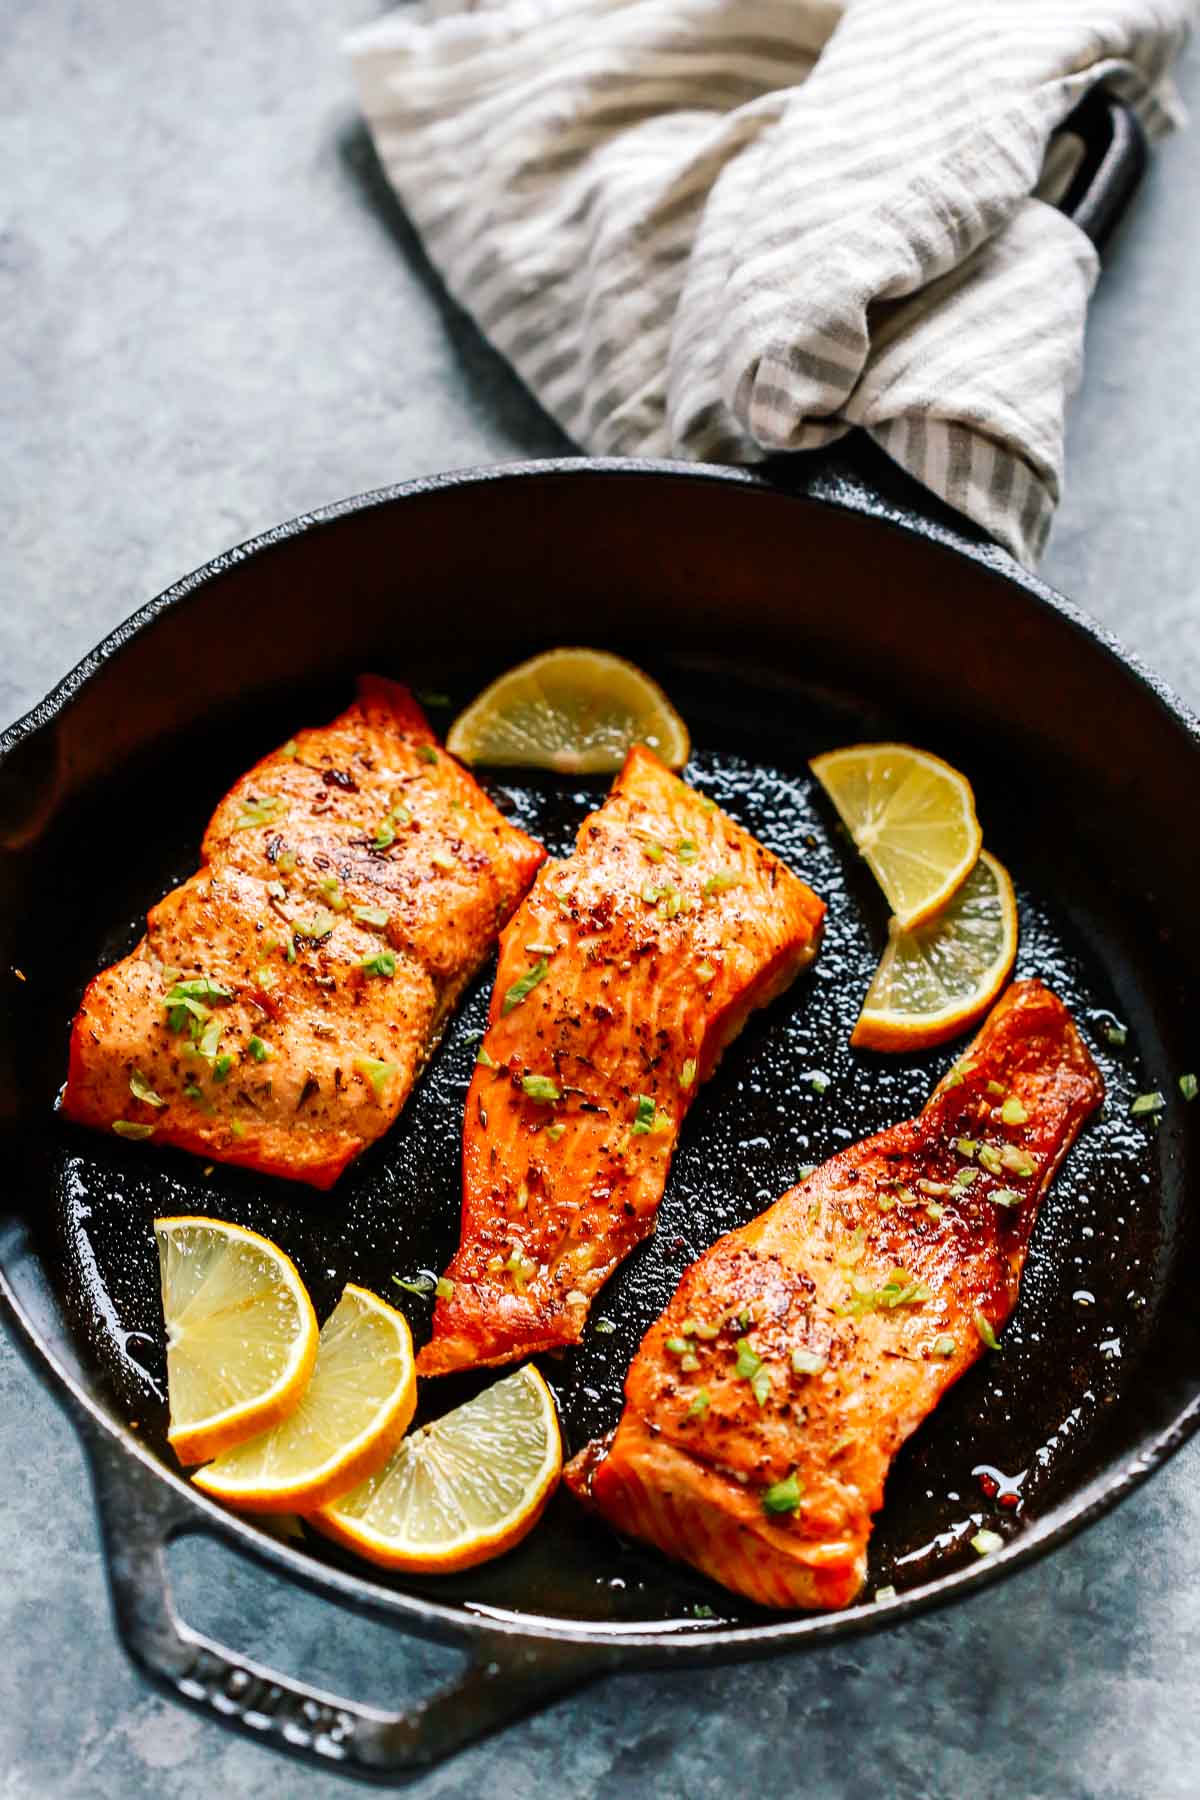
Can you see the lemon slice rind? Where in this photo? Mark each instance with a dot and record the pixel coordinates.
(365, 1356)
(456, 1465)
(911, 816)
(952, 967)
(572, 710)
(230, 1298)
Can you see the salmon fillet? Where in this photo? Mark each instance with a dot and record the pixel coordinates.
(764, 1407)
(285, 997)
(625, 973)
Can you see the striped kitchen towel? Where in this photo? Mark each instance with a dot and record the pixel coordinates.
(726, 228)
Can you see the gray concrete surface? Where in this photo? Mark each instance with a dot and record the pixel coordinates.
(210, 319)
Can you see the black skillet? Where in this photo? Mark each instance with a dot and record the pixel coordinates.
(783, 622)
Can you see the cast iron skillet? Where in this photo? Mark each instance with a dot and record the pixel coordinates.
(783, 621)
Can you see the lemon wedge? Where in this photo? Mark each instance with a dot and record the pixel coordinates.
(912, 817)
(938, 979)
(357, 1406)
(576, 712)
(462, 1489)
(241, 1334)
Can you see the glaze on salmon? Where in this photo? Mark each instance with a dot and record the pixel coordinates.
(286, 996)
(623, 976)
(764, 1407)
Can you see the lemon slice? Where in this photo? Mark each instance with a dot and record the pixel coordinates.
(574, 711)
(938, 979)
(461, 1490)
(913, 818)
(241, 1334)
(354, 1411)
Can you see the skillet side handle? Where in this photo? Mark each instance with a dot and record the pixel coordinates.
(1113, 163)
(138, 1516)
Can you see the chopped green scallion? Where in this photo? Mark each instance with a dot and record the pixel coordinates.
(141, 1090)
(1012, 1112)
(202, 987)
(554, 1132)
(1007, 1197)
(522, 988)
(997, 1089)
(705, 971)
(426, 753)
(644, 1117)
(1148, 1103)
(319, 926)
(385, 837)
(687, 850)
(808, 1362)
(1116, 1034)
(983, 1326)
(943, 1346)
(222, 1066)
(687, 1074)
(483, 1060)
(986, 1543)
(719, 883)
(260, 812)
(1189, 1086)
(990, 1159)
(258, 1050)
(700, 1404)
(541, 1087)
(372, 915)
(966, 1146)
(783, 1497)
(603, 1327)
(420, 1284)
(442, 859)
(377, 1072)
(129, 1128)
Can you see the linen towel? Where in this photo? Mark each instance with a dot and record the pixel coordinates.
(725, 228)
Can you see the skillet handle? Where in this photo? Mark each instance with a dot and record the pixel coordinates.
(1113, 163)
(139, 1513)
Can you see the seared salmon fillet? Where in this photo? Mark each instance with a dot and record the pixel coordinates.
(623, 976)
(284, 999)
(764, 1407)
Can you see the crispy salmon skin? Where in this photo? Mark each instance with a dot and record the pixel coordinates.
(623, 976)
(764, 1407)
(284, 998)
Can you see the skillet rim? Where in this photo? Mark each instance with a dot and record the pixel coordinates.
(823, 484)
